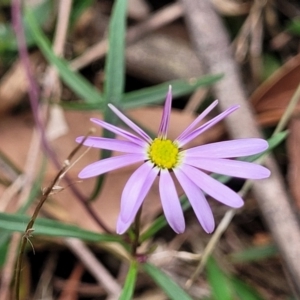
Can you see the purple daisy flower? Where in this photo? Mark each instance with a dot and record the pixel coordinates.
(161, 157)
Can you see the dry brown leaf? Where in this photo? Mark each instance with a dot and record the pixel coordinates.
(293, 147)
(272, 97)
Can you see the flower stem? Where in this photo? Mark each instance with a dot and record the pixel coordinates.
(136, 231)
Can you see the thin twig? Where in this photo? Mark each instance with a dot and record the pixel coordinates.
(94, 266)
(223, 225)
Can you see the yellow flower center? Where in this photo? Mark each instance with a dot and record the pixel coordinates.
(163, 153)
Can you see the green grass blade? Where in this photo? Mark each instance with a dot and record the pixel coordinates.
(153, 95)
(129, 285)
(115, 59)
(49, 227)
(157, 93)
(219, 283)
(226, 287)
(77, 83)
(3, 252)
(171, 288)
(254, 253)
(244, 291)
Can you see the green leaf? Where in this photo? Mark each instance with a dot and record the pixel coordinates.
(129, 285)
(49, 227)
(115, 61)
(171, 288)
(77, 83)
(4, 249)
(226, 287)
(294, 26)
(218, 281)
(273, 142)
(271, 63)
(152, 95)
(244, 291)
(254, 253)
(157, 93)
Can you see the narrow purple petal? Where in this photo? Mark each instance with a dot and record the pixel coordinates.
(213, 187)
(131, 124)
(229, 167)
(228, 149)
(109, 164)
(170, 202)
(129, 136)
(164, 124)
(190, 136)
(136, 189)
(111, 144)
(197, 200)
(197, 120)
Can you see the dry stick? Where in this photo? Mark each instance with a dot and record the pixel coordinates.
(223, 225)
(29, 228)
(212, 45)
(51, 83)
(157, 20)
(94, 266)
(64, 10)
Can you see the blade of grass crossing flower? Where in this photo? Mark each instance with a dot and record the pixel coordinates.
(156, 94)
(161, 222)
(129, 285)
(273, 142)
(49, 227)
(114, 74)
(77, 83)
(170, 287)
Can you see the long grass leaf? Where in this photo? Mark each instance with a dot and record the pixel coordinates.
(170, 287)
